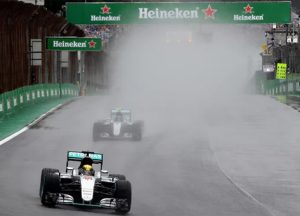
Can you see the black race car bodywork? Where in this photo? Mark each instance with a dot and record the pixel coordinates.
(119, 126)
(99, 189)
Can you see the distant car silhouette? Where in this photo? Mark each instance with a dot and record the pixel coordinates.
(120, 126)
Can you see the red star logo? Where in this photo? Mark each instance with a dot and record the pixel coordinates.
(105, 10)
(209, 12)
(248, 9)
(92, 44)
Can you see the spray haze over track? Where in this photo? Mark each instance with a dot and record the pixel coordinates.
(179, 82)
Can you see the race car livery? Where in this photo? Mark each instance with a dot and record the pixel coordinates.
(86, 188)
(119, 126)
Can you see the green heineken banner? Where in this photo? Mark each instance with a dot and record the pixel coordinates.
(281, 71)
(202, 12)
(74, 44)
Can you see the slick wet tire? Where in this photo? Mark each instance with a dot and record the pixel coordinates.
(137, 132)
(50, 187)
(119, 176)
(45, 172)
(123, 196)
(97, 129)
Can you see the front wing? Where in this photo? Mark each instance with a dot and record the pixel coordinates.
(110, 203)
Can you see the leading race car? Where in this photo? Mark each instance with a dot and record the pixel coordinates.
(85, 186)
(119, 126)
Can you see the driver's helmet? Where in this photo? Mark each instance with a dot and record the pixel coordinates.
(87, 167)
(86, 161)
(119, 117)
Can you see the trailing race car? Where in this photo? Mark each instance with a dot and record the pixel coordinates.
(119, 126)
(85, 186)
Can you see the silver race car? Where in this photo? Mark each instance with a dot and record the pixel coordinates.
(120, 125)
(83, 186)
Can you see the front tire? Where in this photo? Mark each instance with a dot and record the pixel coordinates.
(49, 187)
(137, 131)
(96, 131)
(123, 196)
(45, 172)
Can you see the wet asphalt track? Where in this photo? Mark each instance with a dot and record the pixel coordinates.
(172, 174)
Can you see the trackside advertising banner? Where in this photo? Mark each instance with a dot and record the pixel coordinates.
(202, 12)
(74, 44)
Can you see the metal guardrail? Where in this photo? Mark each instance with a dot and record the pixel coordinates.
(285, 87)
(13, 100)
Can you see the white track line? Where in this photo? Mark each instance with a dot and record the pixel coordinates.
(245, 192)
(239, 187)
(5, 140)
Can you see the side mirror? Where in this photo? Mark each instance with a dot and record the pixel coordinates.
(104, 173)
(70, 170)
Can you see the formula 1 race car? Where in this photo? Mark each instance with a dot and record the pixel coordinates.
(119, 126)
(84, 186)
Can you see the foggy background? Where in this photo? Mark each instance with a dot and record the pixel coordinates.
(173, 84)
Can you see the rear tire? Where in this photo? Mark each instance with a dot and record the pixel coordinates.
(49, 187)
(123, 196)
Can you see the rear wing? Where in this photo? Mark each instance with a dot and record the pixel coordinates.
(120, 110)
(79, 155)
(125, 112)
